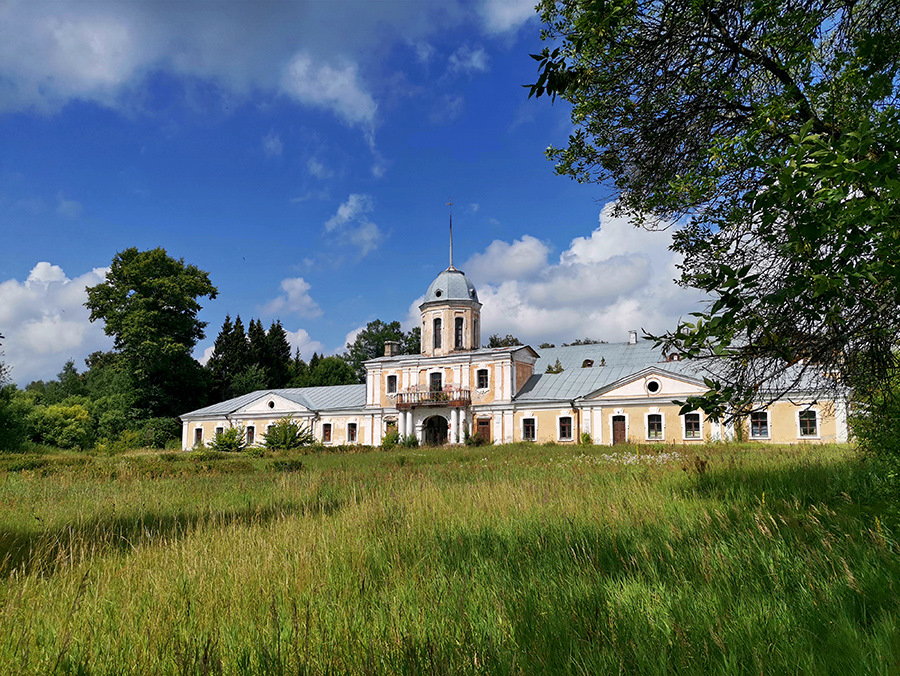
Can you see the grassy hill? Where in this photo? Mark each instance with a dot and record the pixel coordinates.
(508, 559)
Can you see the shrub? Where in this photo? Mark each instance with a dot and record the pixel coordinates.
(586, 439)
(229, 440)
(156, 432)
(14, 409)
(409, 441)
(62, 425)
(389, 440)
(287, 434)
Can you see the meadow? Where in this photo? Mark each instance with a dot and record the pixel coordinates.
(507, 559)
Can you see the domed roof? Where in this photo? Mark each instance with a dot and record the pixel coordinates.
(451, 284)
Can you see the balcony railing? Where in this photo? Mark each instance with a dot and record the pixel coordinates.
(453, 397)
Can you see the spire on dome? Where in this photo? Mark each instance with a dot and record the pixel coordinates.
(450, 204)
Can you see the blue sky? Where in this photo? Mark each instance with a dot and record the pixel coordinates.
(303, 154)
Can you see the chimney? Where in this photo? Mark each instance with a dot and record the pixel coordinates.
(391, 348)
(632, 337)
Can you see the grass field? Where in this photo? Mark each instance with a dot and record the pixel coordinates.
(509, 559)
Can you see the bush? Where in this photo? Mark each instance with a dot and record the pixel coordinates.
(409, 441)
(389, 440)
(287, 435)
(229, 440)
(586, 439)
(156, 432)
(62, 425)
(14, 410)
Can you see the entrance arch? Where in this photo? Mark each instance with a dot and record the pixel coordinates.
(435, 429)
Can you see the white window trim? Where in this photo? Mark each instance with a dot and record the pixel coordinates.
(247, 429)
(217, 431)
(428, 379)
(463, 346)
(483, 389)
(522, 427)
(814, 409)
(347, 432)
(684, 427)
(662, 417)
(200, 440)
(331, 425)
(768, 426)
(653, 379)
(559, 437)
(396, 378)
(615, 414)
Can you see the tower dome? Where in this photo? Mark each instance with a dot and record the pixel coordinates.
(450, 285)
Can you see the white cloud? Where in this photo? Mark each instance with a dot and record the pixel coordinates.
(317, 169)
(45, 322)
(500, 16)
(334, 88)
(272, 145)
(352, 225)
(468, 60)
(300, 340)
(500, 261)
(295, 299)
(68, 208)
(616, 279)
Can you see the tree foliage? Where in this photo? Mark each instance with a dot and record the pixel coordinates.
(149, 305)
(506, 341)
(369, 344)
(773, 125)
(287, 434)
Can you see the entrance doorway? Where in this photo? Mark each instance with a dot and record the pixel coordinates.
(435, 431)
(618, 424)
(483, 429)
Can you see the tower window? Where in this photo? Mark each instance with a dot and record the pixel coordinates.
(458, 333)
(481, 375)
(436, 382)
(391, 384)
(437, 332)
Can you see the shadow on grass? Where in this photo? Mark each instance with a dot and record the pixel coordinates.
(46, 551)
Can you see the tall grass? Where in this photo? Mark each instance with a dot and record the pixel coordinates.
(511, 559)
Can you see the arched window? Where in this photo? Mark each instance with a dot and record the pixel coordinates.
(437, 332)
(458, 333)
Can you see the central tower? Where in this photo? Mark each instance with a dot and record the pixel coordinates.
(451, 313)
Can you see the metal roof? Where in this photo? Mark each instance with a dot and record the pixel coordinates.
(451, 284)
(326, 398)
(619, 360)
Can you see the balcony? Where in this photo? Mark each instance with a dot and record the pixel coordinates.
(445, 397)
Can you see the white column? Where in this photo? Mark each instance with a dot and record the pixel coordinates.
(401, 424)
(453, 424)
(840, 421)
(410, 428)
(508, 427)
(462, 425)
(597, 425)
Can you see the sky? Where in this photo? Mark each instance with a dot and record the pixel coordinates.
(303, 154)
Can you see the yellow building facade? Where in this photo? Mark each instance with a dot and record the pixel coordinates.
(609, 393)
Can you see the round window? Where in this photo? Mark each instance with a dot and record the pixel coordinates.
(653, 386)
(438, 293)
(271, 404)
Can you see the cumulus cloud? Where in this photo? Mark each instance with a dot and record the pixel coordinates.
(45, 322)
(337, 88)
(271, 144)
(301, 340)
(500, 16)
(295, 299)
(616, 279)
(468, 60)
(318, 169)
(351, 224)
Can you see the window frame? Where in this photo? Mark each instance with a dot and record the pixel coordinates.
(533, 420)
(487, 379)
(327, 433)
(816, 421)
(250, 435)
(662, 426)
(559, 427)
(354, 437)
(198, 438)
(459, 333)
(219, 430)
(436, 330)
(431, 387)
(684, 430)
(768, 434)
(391, 379)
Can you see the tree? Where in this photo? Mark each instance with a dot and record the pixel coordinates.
(148, 303)
(507, 341)
(330, 371)
(278, 367)
(4, 369)
(369, 344)
(773, 124)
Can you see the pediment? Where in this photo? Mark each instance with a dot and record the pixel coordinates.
(271, 404)
(670, 385)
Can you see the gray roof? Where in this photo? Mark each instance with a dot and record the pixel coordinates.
(326, 398)
(451, 284)
(620, 361)
(480, 352)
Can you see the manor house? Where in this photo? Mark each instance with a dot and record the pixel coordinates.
(609, 392)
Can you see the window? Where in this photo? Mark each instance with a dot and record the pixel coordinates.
(198, 436)
(391, 384)
(390, 426)
(759, 425)
(653, 386)
(435, 382)
(437, 332)
(351, 433)
(654, 426)
(251, 434)
(691, 425)
(219, 430)
(481, 378)
(587, 363)
(326, 433)
(808, 424)
(458, 333)
(529, 429)
(565, 427)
